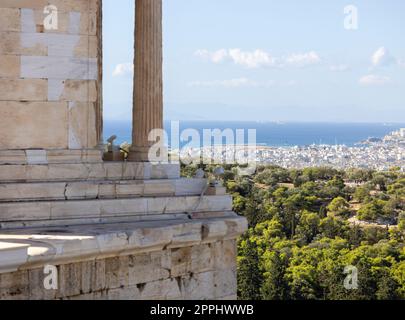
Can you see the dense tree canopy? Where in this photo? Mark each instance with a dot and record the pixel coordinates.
(306, 227)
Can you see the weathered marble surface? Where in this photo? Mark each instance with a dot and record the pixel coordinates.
(148, 83)
(172, 259)
(75, 243)
(41, 156)
(50, 79)
(149, 238)
(102, 189)
(201, 271)
(88, 171)
(54, 210)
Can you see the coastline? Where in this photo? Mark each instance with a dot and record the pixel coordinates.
(273, 134)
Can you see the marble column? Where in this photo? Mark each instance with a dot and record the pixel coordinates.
(148, 82)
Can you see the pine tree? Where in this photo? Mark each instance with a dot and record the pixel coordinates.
(250, 278)
(386, 287)
(274, 286)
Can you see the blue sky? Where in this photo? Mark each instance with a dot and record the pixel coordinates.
(266, 60)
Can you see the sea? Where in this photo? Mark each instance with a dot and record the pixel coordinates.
(274, 134)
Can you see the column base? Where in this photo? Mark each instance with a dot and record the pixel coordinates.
(143, 154)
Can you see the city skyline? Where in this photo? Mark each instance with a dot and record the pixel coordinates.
(288, 61)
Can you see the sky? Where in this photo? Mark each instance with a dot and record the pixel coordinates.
(266, 60)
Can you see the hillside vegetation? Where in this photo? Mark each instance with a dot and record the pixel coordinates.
(306, 226)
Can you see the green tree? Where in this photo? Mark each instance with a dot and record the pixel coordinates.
(359, 175)
(239, 203)
(387, 286)
(401, 221)
(292, 206)
(398, 273)
(274, 286)
(362, 194)
(302, 274)
(308, 226)
(331, 227)
(250, 277)
(380, 181)
(397, 188)
(339, 207)
(372, 211)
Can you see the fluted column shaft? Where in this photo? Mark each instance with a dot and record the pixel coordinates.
(148, 82)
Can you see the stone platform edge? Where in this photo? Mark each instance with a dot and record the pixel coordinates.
(23, 249)
(43, 156)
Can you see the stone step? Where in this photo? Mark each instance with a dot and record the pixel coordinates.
(81, 190)
(50, 156)
(60, 224)
(88, 209)
(88, 171)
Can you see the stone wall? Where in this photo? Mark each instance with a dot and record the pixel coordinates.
(50, 79)
(199, 272)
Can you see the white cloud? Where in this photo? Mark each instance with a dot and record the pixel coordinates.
(254, 59)
(401, 63)
(374, 80)
(123, 69)
(339, 68)
(303, 59)
(215, 57)
(232, 83)
(382, 58)
(259, 58)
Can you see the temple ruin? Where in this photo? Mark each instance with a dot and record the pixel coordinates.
(112, 230)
